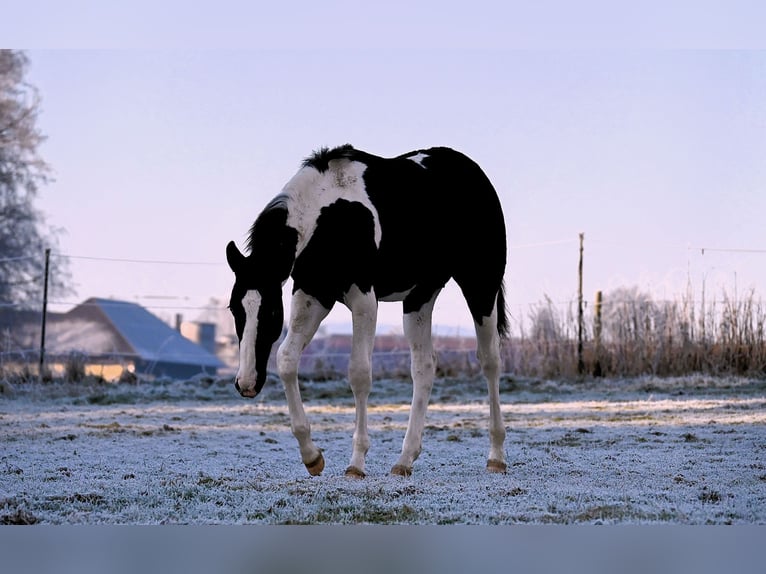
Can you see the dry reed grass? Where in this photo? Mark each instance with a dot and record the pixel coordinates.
(637, 335)
(634, 335)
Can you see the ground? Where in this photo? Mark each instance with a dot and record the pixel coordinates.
(689, 450)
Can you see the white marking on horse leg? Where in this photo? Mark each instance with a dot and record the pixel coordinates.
(488, 353)
(306, 314)
(417, 329)
(364, 313)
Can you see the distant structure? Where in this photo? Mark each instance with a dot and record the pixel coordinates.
(201, 333)
(327, 356)
(109, 337)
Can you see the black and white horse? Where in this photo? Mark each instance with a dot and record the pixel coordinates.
(355, 228)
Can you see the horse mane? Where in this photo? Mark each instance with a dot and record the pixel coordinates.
(272, 217)
(321, 158)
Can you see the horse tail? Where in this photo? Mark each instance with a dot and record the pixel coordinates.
(502, 313)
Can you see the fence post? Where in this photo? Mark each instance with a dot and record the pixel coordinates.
(45, 313)
(580, 362)
(597, 371)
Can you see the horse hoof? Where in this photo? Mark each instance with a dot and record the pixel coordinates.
(496, 465)
(354, 472)
(401, 470)
(316, 466)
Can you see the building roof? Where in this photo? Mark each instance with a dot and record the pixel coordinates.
(110, 328)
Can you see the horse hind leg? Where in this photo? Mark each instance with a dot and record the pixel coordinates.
(488, 353)
(417, 329)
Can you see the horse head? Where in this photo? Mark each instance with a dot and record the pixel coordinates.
(256, 303)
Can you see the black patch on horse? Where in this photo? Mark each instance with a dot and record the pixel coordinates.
(340, 253)
(272, 244)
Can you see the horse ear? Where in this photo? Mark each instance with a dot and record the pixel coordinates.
(234, 257)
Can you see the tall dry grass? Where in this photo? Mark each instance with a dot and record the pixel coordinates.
(637, 335)
(634, 335)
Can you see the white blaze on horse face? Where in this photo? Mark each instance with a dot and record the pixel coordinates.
(246, 374)
(309, 191)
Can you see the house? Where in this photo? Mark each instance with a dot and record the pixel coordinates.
(108, 337)
(328, 355)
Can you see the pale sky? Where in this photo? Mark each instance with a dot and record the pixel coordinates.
(168, 153)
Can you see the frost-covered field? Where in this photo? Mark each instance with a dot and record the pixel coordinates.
(678, 451)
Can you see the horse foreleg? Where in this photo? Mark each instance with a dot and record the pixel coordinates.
(306, 314)
(417, 329)
(364, 312)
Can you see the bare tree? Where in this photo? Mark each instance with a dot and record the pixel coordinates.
(23, 235)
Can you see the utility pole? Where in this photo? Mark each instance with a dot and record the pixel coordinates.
(45, 313)
(580, 362)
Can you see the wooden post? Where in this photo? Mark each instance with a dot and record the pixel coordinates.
(597, 371)
(580, 362)
(45, 313)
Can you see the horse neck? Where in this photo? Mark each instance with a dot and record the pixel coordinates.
(273, 247)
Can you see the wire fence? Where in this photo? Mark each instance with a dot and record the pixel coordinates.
(68, 302)
(627, 333)
(702, 249)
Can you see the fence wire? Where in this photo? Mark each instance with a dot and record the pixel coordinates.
(720, 334)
